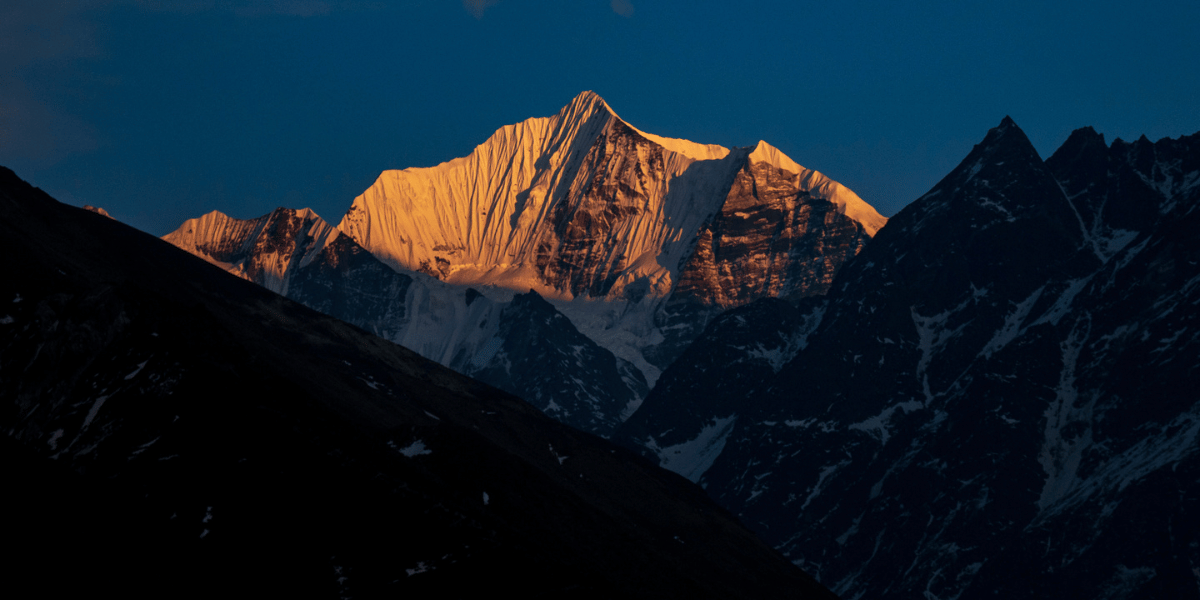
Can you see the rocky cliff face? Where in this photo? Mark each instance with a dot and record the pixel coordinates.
(584, 206)
(1000, 383)
(768, 240)
(261, 250)
(774, 237)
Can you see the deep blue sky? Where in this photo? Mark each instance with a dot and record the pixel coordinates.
(162, 110)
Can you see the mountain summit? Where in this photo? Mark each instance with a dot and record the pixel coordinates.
(580, 204)
(637, 240)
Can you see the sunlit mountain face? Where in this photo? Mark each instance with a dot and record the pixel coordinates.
(567, 259)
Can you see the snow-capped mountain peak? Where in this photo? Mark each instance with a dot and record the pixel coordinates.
(580, 203)
(591, 101)
(637, 239)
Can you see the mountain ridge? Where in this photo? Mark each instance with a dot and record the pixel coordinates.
(995, 398)
(637, 239)
(520, 179)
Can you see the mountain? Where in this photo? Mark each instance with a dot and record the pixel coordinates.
(687, 419)
(996, 397)
(581, 204)
(523, 346)
(637, 240)
(169, 429)
(612, 223)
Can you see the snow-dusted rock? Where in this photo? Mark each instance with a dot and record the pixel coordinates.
(995, 399)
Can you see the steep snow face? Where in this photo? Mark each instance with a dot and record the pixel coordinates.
(637, 238)
(261, 250)
(578, 204)
(574, 204)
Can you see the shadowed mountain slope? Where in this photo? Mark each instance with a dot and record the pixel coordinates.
(997, 398)
(171, 430)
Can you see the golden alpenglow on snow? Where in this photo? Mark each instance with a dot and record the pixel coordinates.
(567, 259)
(578, 204)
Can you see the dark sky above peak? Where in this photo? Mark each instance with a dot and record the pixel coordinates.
(163, 110)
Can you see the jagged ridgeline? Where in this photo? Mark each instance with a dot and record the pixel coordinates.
(997, 398)
(567, 259)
